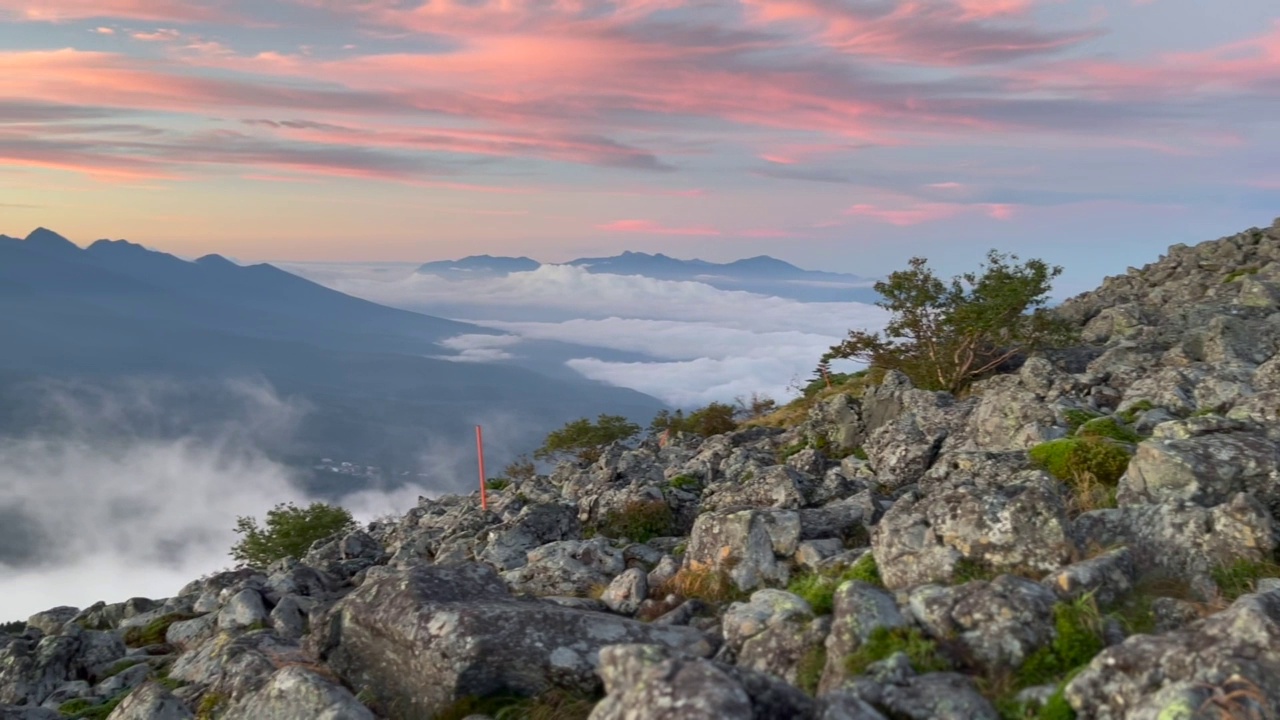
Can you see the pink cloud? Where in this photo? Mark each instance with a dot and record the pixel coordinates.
(153, 10)
(905, 214)
(649, 227)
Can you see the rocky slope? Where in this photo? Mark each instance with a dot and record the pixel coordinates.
(1092, 534)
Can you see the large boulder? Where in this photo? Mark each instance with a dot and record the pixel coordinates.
(421, 639)
(299, 693)
(773, 633)
(752, 546)
(999, 623)
(568, 567)
(858, 611)
(1174, 674)
(150, 701)
(1020, 527)
(1204, 465)
(507, 545)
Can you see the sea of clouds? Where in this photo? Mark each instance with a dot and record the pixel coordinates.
(700, 343)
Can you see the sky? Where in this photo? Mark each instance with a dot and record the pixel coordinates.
(837, 134)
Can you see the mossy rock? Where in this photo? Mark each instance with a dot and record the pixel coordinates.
(1071, 458)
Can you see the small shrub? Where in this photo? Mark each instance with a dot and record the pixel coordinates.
(1078, 625)
(790, 451)
(714, 419)
(1131, 414)
(209, 705)
(1107, 427)
(810, 668)
(684, 482)
(586, 440)
(859, 453)
(1076, 417)
(639, 521)
(1237, 274)
(290, 531)
(756, 406)
(1242, 576)
(153, 633)
(866, 570)
(817, 590)
(85, 710)
(521, 468)
(1088, 494)
(884, 642)
(1068, 458)
(497, 484)
(704, 583)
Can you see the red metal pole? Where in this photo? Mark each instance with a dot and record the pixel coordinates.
(484, 498)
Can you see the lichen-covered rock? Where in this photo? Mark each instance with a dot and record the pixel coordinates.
(900, 693)
(843, 706)
(1182, 539)
(1109, 577)
(12, 712)
(778, 486)
(298, 693)
(1000, 623)
(569, 567)
(236, 666)
(245, 609)
(150, 701)
(51, 622)
(752, 546)
(858, 610)
(1019, 527)
(1205, 469)
(627, 591)
(507, 545)
(1241, 642)
(421, 639)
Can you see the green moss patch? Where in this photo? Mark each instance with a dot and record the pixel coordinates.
(639, 521)
(153, 633)
(1107, 427)
(885, 642)
(1070, 459)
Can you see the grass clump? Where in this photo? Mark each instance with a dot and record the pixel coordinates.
(1107, 427)
(1130, 414)
(706, 583)
(209, 705)
(809, 670)
(790, 451)
(83, 709)
(121, 667)
(153, 633)
(497, 484)
(639, 521)
(819, 589)
(1237, 274)
(866, 570)
(551, 705)
(885, 642)
(1242, 576)
(1070, 458)
(1078, 626)
(1076, 417)
(968, 570)
(684, 482)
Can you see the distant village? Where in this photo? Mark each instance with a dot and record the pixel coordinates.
(368, 472)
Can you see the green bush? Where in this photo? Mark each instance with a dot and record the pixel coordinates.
(1078, 626)
(714, 419)
(1069, 459)
(684, 482)
(866, 570)
(819, 589)
(586, 440)
(290, 531)
(497, 484)
(884, 642)
(639, 521)
(945, 335)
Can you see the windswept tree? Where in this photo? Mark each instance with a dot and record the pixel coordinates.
(290, 531)
(945, 335)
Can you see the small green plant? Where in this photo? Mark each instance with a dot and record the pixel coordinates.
(859, 453)
(968, 570)
(1242, 576)
(684, 482)
(153, 633)
(1107, 427)
(790, 451)
(810, 668)
(1131, 414)
(1237, 274)
(551, 705)
(497, 484)
(82, 709)
(866, 570)
(1078, 638)
(209, 705)
(290, 531)
(1205, 412)
(1057, 707)
(817, 590)
(586, 440)
(1069, 458)
(1076, 417)
(884, 642)
(639, 521)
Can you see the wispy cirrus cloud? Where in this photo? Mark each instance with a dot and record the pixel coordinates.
(649, 227)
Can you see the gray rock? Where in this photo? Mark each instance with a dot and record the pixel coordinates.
(245, 610)
(569, 567)
(1109, 577)
(662, 573)
(859, 610)
(1000, 623)
(186, 634)
(644, 683)
(421, 639)
(11, 712)
(936, 696)
(778, 486)
(843, 706)
(1020, 527)
(289, 618)
(50, 622)
(753, 546)
(507, 545)
(810, 554)
(151, 702)
(766, 609)
(1206, 469)
(1239, 647)
(297, 693)
(236, 666)
(627, 591)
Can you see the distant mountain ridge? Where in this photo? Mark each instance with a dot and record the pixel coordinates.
(760, 274)
(373, 376)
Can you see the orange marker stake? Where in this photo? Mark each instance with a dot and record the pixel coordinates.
(484, 498)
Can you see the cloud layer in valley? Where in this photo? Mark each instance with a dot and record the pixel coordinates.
(702, 344)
